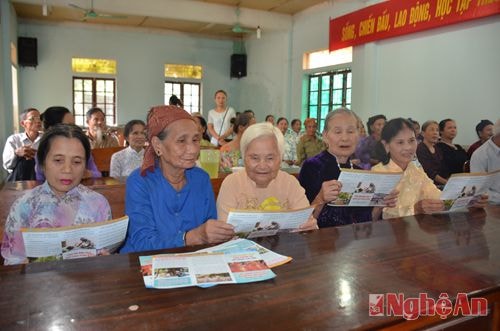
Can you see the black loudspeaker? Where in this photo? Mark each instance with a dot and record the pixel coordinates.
(238, 65)
(27, 52)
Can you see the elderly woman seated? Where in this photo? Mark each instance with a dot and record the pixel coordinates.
(417, 192)
(262, 185)
(319, 174)
(169, 201)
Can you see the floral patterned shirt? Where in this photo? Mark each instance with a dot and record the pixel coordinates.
(41, 208)
(125, 161)
(291, 141)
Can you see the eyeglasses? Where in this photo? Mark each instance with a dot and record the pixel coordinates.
(33, 119)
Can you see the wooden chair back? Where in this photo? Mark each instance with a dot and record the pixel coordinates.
(102, 158)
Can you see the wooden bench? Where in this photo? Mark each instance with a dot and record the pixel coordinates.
(102, 158)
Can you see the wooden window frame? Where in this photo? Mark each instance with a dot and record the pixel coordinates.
(344, 72)
(181, 96)
(94, 98)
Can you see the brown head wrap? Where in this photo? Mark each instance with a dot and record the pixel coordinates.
(159, 118)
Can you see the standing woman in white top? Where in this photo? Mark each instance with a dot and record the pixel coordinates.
(219, 119)
(130, 158)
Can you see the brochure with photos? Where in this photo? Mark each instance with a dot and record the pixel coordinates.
(50, 244)
(207, 269)
(237, 246)
(362, 188)
(464, 189)
(256, 223)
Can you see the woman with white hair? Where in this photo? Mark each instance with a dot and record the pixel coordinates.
(319, 174)
(262, 185)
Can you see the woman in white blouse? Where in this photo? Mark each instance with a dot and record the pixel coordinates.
(129, 159)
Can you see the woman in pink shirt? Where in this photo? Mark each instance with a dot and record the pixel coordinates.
(262, 185)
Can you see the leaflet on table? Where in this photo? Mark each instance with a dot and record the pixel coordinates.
(202, 269)
(253, 224)
(464, 189)
(271, 258)
(365, 188)
(48, 244)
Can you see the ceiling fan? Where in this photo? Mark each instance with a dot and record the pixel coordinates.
(238, 28)
(91, 13)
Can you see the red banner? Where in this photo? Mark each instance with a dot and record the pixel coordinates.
(397, 17)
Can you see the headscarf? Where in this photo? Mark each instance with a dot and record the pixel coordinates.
(159, 117)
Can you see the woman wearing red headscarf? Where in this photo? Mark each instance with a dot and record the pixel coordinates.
(169, 201)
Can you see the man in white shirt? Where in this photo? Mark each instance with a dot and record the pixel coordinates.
(487, 159)
(20, 148)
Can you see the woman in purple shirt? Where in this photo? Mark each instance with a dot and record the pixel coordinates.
(55, 115)
(319, 174)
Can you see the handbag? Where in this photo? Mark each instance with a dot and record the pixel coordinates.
(223, 120)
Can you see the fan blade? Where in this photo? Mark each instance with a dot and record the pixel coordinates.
(77, 7)
(111, 16)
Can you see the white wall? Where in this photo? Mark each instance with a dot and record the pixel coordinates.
(446, 72)
(265, 88)
(140, 63)
(8, 33)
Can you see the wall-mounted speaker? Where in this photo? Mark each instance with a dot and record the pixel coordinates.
(27, 52)
(238, 65)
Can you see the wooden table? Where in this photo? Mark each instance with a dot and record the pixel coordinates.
(326, 286)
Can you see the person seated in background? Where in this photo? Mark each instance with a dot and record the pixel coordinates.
(20, 148)
(61, 200)
(416, 128)
(202, 128)
(251, 114)
(230, 153)
(270, 119)
(291, 141)
(310, 144)
(454, 156)
(56, 115)
(417, 192)
(319, 174)
(428, 155)
(130, 158)
(484, 130)
(282, 125)
(487, 159)
(370, 150)
(175, 101)
(169, 201)
(361, 136)
(98, 136)
(262, 185)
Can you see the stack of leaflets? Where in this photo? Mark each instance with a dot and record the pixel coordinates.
(234, 262)
(464, 189)
(365, 188)
(50, 244)
(256, 223)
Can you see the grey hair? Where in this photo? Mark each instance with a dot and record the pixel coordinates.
(259, 130)
(24, 113)
(496, 128)
(341, 110)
